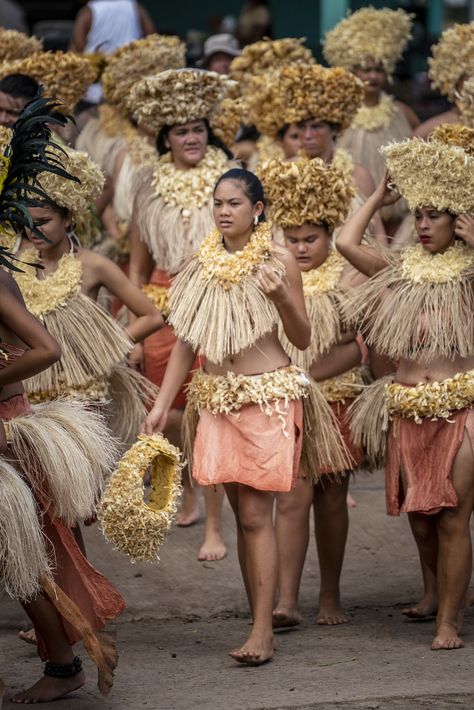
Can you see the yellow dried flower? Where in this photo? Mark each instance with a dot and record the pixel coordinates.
(136, 528)
(189, 189)
(465, 102)
(421, 266)
(177, 96)
(144, 57)
(259, 57)
(17, 45)
(433, 400)
(63, 284)
(73, 196)
(159, 296)
(432, 174)
(96, 390)
(64, 75)
(374, 118)
(345, 386)
(217, 264)
(312, 91)
(455, 134)
(379, 34)
(452, 58)
(307, 191)
(326, 277)
(226, 394)
(231, 115)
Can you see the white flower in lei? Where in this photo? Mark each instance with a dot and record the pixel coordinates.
(191, 188)
(373, 118)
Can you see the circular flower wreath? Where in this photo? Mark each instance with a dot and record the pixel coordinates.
(135, 527)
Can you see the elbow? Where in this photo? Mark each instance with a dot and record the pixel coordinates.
(158, 321)
(304, 338)
(53, 353)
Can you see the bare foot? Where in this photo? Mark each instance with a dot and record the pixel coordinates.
(255, 651)
(351, 502)
(48, 689)
(185, 518)
(28, 636)
(213, 548)
(286, 617)
(446, 638)
(425, 608)
(331, 614)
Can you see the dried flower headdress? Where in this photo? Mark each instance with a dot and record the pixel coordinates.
(455, 134)
(307, 191)
(17, 45)
(259, 57)
(452, 58)
(64, 75)
(432, 174)
(177, 96)
(379, 34)
(136, 60)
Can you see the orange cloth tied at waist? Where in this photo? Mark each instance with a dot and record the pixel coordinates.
(250, 447)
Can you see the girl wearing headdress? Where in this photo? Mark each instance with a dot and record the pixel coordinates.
(309, 199)
(54, 459)
(244, 411)
(172, 214)
(369, 43)
(417, 309)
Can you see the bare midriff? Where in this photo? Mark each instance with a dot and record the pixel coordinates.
(265, 355)
(413, 373)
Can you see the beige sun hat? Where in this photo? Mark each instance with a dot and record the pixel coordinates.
(225, 43)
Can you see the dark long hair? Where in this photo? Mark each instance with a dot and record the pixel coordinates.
(212, 139)
(252, 186)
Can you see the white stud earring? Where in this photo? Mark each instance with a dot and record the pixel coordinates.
(255, 220)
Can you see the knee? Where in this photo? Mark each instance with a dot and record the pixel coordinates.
(290, 506)
(452, 522)
(332, 499)
(252, 522)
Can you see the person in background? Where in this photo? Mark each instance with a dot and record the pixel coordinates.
(12, 16)
(219, 51)
(255, 21)
(16, 90)
(104, 26)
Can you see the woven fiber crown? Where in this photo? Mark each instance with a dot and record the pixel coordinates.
(136, 60)
(17, 45)
(452, 58)
(177, 96)
(73, 196)
(259, 57)
(307, 191)
(465, 102)
(379, 34)
(311, 91)
(432, 174)
(64, 75)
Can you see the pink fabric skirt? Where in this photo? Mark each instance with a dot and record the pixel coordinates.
(426, 453)
(249, 447)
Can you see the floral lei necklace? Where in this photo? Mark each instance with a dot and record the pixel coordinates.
(420, 266)
(192, 188)
(45, 295)
(217, 264)
(372, 118)
(325, 277)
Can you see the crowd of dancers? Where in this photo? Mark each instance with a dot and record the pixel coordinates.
(269, 269)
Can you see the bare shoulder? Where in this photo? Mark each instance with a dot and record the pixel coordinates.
(427, 127)
(363, 179)
(91, 260)
(286, 258)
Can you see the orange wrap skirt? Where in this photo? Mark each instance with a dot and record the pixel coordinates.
(425, 453)
(250, 447)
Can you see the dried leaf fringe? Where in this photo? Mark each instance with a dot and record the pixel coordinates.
(102, 148)
(325, 312)
(368, 419)
(131, 395)
(219, 321)
(67, 449)
(169, 238)
(396, 315)
(92, 342)
(323, 445)
(101, 650)
(23, 556)
(188, 433)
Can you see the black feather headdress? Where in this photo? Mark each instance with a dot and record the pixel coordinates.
(27, 155)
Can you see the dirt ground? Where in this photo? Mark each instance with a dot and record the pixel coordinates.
(183, 616)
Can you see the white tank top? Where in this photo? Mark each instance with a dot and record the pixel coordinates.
(114, 23)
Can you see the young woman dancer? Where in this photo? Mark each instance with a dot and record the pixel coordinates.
(226, 304)
(417, 309)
